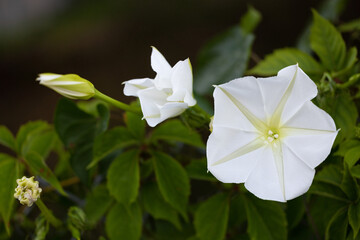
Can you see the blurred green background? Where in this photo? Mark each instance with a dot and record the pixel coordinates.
(108, 42)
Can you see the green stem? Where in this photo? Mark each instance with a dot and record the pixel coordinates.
(48, 214)
(353, 80)
(116, 103)
(198, 109)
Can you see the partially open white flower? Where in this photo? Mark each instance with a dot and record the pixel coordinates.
(268, 134)
(168, 95)
(70, 85)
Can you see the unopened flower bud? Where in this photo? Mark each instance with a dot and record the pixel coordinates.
(27, 191)
(69, 85)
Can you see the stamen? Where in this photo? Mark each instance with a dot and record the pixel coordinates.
(271, 137)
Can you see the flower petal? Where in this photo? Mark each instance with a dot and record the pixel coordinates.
(245, 94)
(263, 180)
(162, 68)
(279, 162)
(310, 116)
(156, 108)
(300, 90)
(310, 134)
(227, 114)
(311, 149)
(246, 91)
(43, 77)
(243, 149)
(151, 99)
(297, 175)
(172, 109)
(182, 83)
(133, 86)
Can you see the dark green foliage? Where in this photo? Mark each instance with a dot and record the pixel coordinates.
(124, 178)
(263, 217)
(77, 130)
(124, 222)
(172, 180)
(225, 57)
(211, 218)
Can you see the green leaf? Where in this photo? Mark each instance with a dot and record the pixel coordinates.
(146, 169)
(322, 210)
(174, 130)
(354, 218)
(124, 222)
(155, 204)
(331, 10)
(284, 57)
(166, 231)
(352, 156)
(124, 177)
(337, 226)
(329, 191)
(346, 146)
(97, 203)
(9, 172)
(211, 218)
(345, 114)
(76, 221)
(355, 171)
(41, 142)
(39, 168)
(135, 124)
(351, 58)
(350, 236)
(237, 212)
(250, 20)
(172, 180)
(110, 141)
(295, 210)
(27, 131)
(331, 174)
(7, 138)
(266, 220)
(91, 106)
(349, 184)
(41, 229)
(327, 43)
(223, 58)
(77, 130)
(197, 169)
(351, 26)
(73, 125)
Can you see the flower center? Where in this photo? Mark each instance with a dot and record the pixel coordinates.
(271, 137)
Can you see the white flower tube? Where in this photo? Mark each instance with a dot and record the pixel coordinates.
(69, 85)
(168, 95)
(268, 134)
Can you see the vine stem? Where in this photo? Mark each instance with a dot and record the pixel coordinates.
(116, 103)
(48, 214)
(64, 183)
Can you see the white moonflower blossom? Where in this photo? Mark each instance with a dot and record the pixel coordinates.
(168, 95)
(268, 134)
